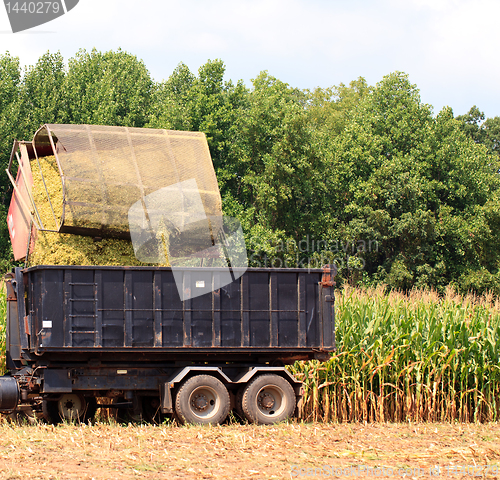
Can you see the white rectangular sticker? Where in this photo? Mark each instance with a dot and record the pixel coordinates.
(121, 372)
(47, 324)
(200, 284)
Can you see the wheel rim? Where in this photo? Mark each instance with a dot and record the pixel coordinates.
(204, 402)
(271, 401)
(71, 406)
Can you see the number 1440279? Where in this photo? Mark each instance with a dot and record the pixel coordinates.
(33, 7)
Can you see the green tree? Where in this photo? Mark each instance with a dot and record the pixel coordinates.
(393, 192)
(491, 129)
(204, 103)
(10, 78)
(471, 124)
(481, 130)
(41, 97)
(171, 101)
(411, 182)
(280, 175)
(330, 108)
(112, 88)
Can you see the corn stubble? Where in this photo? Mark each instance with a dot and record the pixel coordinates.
(415, 357)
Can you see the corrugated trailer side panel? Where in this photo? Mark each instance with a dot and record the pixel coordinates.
(140, 308)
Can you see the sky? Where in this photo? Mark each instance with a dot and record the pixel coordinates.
(447, 47)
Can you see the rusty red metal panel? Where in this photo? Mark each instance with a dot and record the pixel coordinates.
(329, 273)
(18, 217)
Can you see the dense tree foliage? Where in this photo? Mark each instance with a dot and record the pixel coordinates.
(408, 180)
(366, 176)
(111, 88)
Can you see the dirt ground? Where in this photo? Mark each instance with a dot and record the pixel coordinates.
(295, 450)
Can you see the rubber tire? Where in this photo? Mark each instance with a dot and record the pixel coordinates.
(52, 415)
(124, 416)
(274, 384)
(23, 417)
(185, 412)
(238, 404)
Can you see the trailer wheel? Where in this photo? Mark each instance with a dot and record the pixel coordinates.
(125, 415)
(70, 407)
(239, 403)
(268, 399)
(202, 399)
(25, 417)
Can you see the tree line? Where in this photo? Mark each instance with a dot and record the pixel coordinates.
(366, 176)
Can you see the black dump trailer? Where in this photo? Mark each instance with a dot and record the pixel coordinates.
(77, 334)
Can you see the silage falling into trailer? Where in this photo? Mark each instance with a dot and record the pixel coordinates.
(155, 187)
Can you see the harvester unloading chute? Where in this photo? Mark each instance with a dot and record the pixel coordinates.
(155, 187)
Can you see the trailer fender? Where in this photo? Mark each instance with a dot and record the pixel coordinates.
(282, 371)
(166, 389)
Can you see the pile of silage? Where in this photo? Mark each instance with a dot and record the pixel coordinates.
(53, 248)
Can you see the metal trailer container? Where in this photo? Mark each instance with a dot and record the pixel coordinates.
(76, 333)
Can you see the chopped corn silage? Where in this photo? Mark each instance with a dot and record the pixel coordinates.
(52, 248)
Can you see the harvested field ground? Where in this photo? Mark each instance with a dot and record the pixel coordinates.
(295, 450)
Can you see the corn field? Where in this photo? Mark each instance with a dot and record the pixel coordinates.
(415, 357)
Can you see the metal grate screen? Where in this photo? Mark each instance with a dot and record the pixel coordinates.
(107, 169)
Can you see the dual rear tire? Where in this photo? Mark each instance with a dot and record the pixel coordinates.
(267, 399)
(204, 399)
